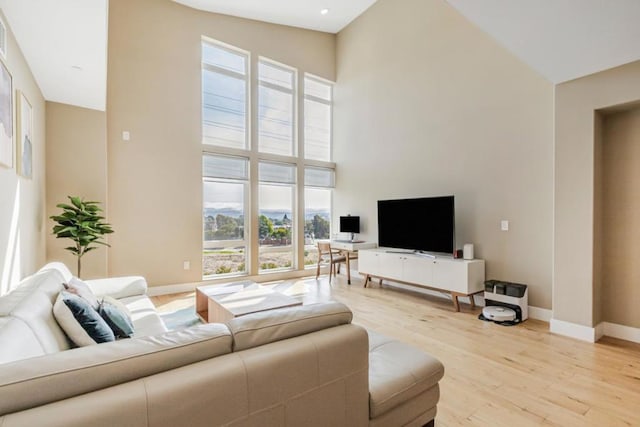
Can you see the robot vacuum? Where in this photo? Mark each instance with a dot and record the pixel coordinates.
(499, 314)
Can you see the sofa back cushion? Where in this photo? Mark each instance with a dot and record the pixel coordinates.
(29, 383)
(60, 268)
(275, 325)
(32, 303)
(17, 340)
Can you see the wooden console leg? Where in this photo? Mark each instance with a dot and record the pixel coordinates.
(456, 303)
(367, 278)
(472, 301)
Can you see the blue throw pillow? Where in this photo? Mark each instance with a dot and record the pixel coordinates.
(88, 318)
(117, 320)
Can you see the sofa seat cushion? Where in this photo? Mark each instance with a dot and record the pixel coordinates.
(398, 373)
(144, 316)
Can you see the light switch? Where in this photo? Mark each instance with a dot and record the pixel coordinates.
(186, 265)
(504, 225)
(126, 136)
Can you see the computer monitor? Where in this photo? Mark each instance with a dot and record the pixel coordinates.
(350, 224)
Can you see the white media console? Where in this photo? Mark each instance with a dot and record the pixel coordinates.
(459, 277)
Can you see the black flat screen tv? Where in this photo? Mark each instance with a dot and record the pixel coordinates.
(350, 224)
(423, 224)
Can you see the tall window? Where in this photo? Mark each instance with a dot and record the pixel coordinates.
(276, 112)
(253, 164)
(318, 98)
(224, 96)
(276, 220)
(318, 183)
(225, 182)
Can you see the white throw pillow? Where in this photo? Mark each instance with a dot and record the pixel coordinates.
(80, 288)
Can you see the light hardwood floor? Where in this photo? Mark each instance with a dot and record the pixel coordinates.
(494, 375)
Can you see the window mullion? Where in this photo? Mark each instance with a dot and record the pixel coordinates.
(276, 87)
(224, 71)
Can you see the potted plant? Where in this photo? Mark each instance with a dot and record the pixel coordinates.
(81, 222)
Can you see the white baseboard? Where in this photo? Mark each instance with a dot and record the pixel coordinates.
(540, 313)
(589, 334)
(622, 332)
(153, 291)
(573, 330)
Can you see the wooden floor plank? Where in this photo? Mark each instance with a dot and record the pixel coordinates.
(494, 375)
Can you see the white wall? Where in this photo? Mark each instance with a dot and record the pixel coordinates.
(426, 104)
(22, 201)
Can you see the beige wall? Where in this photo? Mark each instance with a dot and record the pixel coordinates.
(427, 104)
(621, 219)
(153, 91)
(598, 206)
(574, 219)
(22, 201)
(75, 133)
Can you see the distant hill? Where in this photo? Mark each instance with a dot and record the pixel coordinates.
(272, 214)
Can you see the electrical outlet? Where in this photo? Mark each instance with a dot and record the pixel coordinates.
(186, 265)
(126, 136)
(504, 225)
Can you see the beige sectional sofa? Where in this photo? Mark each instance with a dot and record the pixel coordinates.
(304, 366)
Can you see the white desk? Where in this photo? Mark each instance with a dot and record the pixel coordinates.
(350, 250)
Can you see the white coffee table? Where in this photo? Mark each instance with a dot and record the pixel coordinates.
(219, 304)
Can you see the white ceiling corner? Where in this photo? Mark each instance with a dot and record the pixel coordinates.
(55, 36)
(561, 39)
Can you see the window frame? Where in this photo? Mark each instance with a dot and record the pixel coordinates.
(294, 102)
(329, 103)
(229, 73)
(254, 156)
(246, 240)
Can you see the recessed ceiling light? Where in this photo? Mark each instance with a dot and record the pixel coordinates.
(76, 67)
(324, 11)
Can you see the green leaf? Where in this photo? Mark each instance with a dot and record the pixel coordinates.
(77, 201)
(82, 223)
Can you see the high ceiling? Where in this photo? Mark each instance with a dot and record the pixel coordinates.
(561, 39)
(65, 41)
(296, 13)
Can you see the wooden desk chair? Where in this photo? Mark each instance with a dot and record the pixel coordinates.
(329, 256)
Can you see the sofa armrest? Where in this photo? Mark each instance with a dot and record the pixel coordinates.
(119, 287)
(41, 380)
